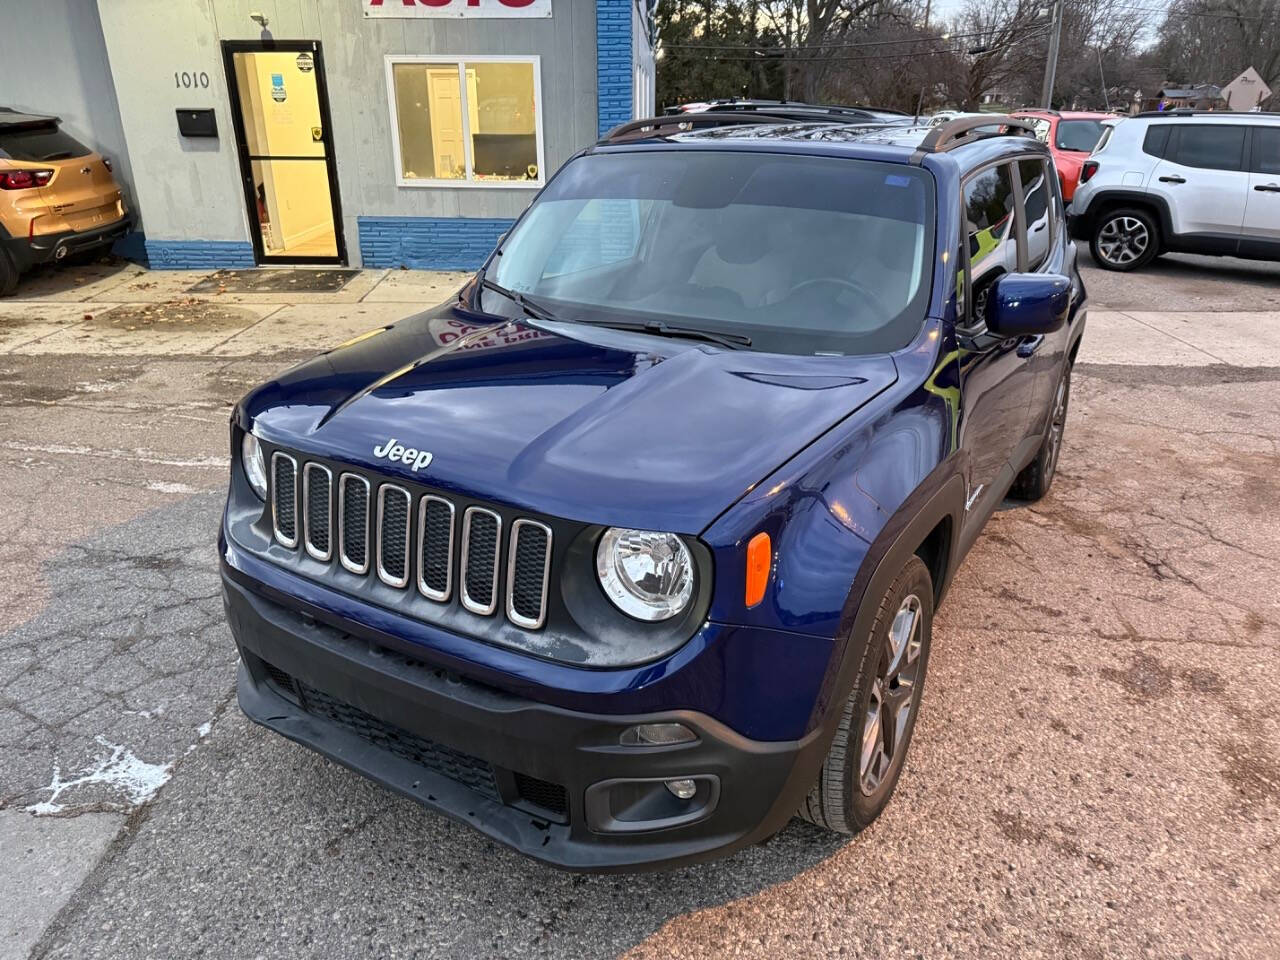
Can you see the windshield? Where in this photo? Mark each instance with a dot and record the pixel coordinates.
(801, 254)
(1079, 135)
(40, 145)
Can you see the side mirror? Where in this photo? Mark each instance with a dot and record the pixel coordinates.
(1028, 304)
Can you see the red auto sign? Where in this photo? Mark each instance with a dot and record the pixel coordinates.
(457, 8)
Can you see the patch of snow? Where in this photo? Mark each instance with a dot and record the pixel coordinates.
(120, 769)
(147, 714)
(162, 487)
(100, 386)
(204, 729)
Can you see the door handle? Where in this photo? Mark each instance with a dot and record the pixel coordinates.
(1030, 345)
(1172, 180)
(1268, 187)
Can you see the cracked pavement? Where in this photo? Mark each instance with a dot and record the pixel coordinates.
(1096, 770)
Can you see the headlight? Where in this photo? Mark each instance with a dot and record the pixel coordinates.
(647, 575)
(255, 465)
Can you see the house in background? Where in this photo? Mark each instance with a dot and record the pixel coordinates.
(1201, 96)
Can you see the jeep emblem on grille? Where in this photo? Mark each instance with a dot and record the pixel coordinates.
(398, 453)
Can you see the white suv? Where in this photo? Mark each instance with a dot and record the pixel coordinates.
(1181, 181)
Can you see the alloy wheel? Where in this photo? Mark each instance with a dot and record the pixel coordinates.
(893, 695)
(1122, 240)
(1057, 424)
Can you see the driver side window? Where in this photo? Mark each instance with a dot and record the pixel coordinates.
(990, 237)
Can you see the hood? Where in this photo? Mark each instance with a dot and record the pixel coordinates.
(585, 423)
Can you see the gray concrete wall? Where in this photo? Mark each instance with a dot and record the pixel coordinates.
(188, 189)
(53, 60)
(193, 189)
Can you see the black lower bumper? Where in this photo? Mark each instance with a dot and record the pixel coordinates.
(552, 783)
(45, 248)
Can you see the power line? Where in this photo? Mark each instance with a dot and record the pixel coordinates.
(830, 46)
(1172, 13)
(783, 55)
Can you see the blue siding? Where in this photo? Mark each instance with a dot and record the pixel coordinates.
(198, 254)
(428, 243)
(613, 62)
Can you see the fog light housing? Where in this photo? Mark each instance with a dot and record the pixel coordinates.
(656, 735)
(682, 789)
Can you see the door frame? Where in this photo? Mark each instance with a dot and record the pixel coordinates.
(229, 49)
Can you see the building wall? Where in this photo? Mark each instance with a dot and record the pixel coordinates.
(54, 61)
(191, 189)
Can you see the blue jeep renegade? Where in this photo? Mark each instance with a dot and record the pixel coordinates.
(631, 552)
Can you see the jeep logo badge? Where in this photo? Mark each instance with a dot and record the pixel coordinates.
(397, 453)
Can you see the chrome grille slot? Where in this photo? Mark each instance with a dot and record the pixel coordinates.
(407, 538)
(353, 523)
(284, 498)
(528, 567)
(435, 548)
(317, 510)
(393, 534)
(481, 543)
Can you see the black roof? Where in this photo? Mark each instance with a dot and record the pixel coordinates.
(11, 119)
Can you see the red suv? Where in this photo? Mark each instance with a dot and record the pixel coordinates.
(1071, 138)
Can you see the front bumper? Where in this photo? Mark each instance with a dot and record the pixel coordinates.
(554, 784)
(45, 248)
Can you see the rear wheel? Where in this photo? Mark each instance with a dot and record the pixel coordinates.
(866, 757)
(8, 275)
(1037, 476)
(1124, 240)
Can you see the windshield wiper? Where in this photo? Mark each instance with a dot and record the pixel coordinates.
(660, 329)
(530, 307)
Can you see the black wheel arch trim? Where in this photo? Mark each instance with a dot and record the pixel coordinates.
(1085, 221)
(939, 498)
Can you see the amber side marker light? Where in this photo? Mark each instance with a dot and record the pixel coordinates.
(759, 559)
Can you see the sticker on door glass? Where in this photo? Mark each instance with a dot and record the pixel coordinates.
(277, 87)
(305, 63)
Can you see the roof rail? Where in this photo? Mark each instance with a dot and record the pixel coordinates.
(955, 133)
(1192, 112)
(683, 122)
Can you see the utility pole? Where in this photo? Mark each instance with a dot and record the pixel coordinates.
(1051, 65)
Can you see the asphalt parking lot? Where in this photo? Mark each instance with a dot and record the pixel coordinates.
(1096, 770)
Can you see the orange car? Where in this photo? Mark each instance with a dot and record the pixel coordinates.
(56, 196)
(1071, 137)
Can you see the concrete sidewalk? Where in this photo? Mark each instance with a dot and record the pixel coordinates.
(123, 309)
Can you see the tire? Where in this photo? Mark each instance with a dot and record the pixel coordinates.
(1037, 476)
(8, 275)
(845, 799)
(1124, 239)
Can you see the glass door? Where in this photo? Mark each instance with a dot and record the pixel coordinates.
(281, 113)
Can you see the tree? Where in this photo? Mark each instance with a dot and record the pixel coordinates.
(1214, 41)
(1001, 48)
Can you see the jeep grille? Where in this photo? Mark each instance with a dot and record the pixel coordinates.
(426, 543)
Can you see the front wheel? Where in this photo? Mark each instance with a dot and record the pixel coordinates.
(865, 760)
(1124, 240)
(8, 275)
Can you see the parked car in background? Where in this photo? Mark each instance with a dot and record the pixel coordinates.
(1071, 137)
(795, 109)
(646, 562)
(946, 116)
(57, 196)
(1181, 181)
